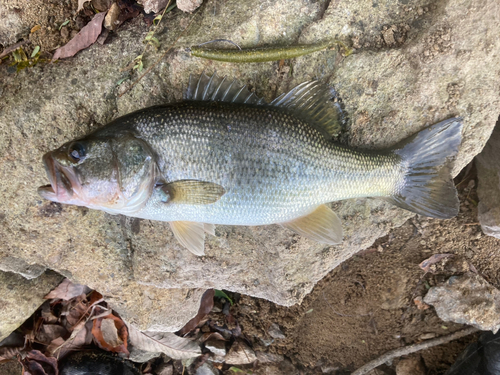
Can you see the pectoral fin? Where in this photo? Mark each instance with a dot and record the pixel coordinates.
(192, 192)
(191, 235)
(321, 225)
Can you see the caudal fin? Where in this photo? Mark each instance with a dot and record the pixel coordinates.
(428, 187)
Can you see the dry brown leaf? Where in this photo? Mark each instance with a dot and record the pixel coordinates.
(206, 305)
(49, 332)
(36, 363)
(7, 352)
(67, 290)
(80, 337)
(163, 342)
(85, 38)
(101, 333)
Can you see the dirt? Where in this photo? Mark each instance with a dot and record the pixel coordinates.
(366, 306)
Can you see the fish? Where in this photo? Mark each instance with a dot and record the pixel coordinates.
(223, 156)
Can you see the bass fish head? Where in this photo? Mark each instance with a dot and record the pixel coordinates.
(116, 175)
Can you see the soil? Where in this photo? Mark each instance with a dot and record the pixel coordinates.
(366, 306)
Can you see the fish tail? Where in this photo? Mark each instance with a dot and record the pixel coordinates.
(427, 187)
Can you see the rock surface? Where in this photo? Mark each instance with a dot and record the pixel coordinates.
(467, 299)
(19, 298)
(488, 188)
(415, 65)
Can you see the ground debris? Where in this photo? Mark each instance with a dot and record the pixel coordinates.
(84, 39)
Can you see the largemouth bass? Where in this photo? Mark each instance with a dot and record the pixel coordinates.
(223, 156)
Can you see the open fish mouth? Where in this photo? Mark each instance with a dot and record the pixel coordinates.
(62, 180)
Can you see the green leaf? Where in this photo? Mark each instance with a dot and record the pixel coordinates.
(139, 66)
(63, 24)
(309, 311)
(236, 369)
(35, 51)
(154, 42)
(157, 19)
(122, 80)
(221, 294)
(138, 57)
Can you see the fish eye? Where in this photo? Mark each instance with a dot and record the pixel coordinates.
(76, 152)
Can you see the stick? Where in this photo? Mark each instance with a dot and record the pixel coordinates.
(396, 353)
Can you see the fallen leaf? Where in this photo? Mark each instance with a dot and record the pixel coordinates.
(80, 337)
(36, 363)
(49, 332)
(163, 342)
(206, 305)
(85, 38)
(35, 28)
(117, 335)
(429, 262)
(67, 290)
(7, 352)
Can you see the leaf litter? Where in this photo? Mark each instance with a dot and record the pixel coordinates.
(76, 318)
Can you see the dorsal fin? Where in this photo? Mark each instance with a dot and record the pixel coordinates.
(310, 101)
(219, 89)
(314, 103)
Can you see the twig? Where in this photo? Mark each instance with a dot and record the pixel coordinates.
(13, 47)
(161, 58)
(396, 353)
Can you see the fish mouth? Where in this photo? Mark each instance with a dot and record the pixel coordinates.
(62, 180)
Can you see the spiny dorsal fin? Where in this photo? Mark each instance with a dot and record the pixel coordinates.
(219, 89)
(313, 102)
(321, 225)
(191, 235)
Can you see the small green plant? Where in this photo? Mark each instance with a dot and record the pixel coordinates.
(150, 39)
(221, 294)
(21, 60)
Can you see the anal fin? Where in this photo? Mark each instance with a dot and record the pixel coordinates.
(321, 225)
(191, 235)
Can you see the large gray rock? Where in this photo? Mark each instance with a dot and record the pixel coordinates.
(488, 188)
(19, 298)
(414, 66)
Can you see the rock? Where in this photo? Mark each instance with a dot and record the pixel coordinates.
(275, 332)
(207, 369)
(410, 366)
(11, 26)
(467, 299)
(240, 354)
(153, 5)
(389, 93)
(189, 5)
(265, 357)
(488, 189)
(19, 298)
(21, 267)
(217, 347)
